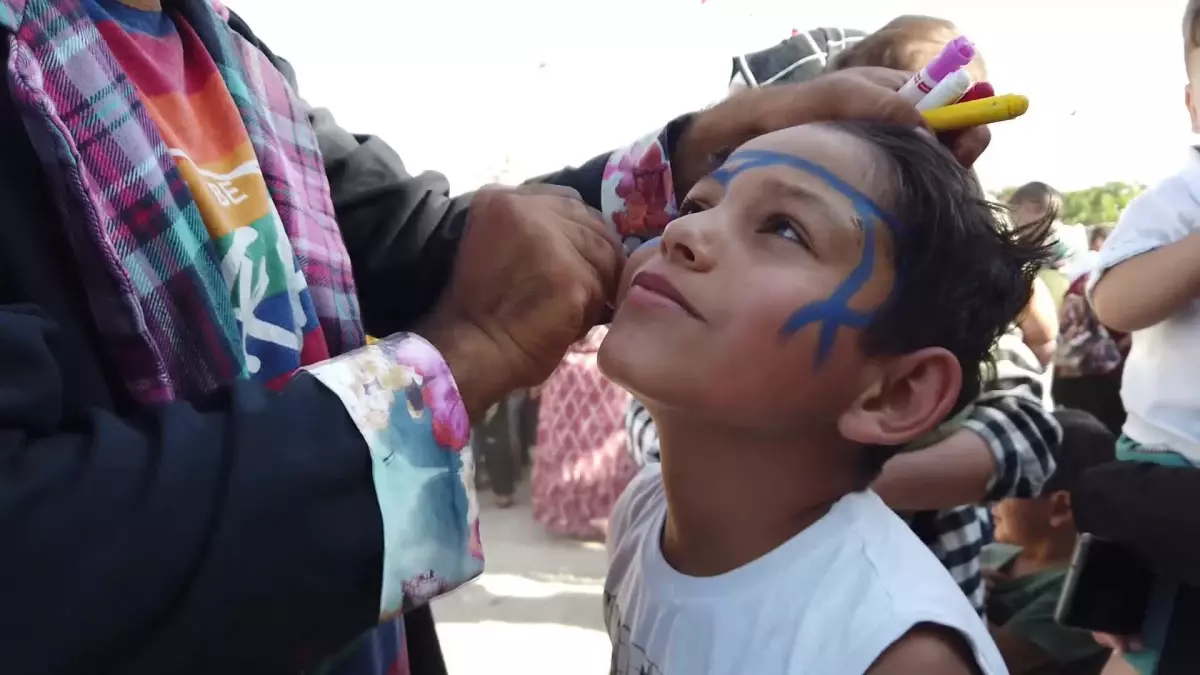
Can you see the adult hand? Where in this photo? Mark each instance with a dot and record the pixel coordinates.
(864, 94)
(534, 272)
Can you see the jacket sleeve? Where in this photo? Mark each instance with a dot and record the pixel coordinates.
(1153, 509)
(242, 535)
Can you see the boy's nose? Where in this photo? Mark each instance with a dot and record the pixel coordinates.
(691, 241)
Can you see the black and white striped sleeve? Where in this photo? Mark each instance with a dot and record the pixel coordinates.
(1014, 417)
(643, 436)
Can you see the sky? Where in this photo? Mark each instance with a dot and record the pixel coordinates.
(485, 90)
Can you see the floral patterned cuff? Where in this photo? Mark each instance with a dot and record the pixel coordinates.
(637, 195)
(400, 394)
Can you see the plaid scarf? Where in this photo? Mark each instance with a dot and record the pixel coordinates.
(152, 275)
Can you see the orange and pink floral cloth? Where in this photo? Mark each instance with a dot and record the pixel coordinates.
(582, 463)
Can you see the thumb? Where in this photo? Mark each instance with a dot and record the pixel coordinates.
(897, 110)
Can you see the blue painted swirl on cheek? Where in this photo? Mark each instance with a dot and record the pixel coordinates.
(833, 312)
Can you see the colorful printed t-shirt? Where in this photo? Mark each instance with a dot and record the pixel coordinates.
(188, 101)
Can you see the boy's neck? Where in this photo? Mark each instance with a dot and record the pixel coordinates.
(1050, 553)
(733, 497)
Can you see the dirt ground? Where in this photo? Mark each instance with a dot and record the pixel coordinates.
(537, 608)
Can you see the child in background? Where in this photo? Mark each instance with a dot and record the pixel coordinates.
(1147, 283)
(824, 298)
(1033, 203)
(1027, 567)
(491, 439)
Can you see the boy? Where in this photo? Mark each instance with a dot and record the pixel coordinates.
(1028, 565)
(825, 297)
(1147, 282)
(998, 447)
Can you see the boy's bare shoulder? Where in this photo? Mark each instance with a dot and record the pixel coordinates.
(927, 649)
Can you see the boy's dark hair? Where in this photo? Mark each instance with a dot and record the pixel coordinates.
(1191, 31)
(1097, 233)
(898, 46)
(1086, 443)
(962, 277)
(1040, 195)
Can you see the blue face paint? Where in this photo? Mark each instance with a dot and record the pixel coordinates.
(833, 312)
(758, 159)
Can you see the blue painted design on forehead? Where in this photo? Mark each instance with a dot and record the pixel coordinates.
(746, 160)
(833, 312)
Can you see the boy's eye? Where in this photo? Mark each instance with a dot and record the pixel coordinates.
(788, 229)
(690, 206)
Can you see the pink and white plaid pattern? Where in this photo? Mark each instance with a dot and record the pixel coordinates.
(151, 272)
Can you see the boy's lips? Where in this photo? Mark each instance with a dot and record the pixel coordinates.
(657, 288)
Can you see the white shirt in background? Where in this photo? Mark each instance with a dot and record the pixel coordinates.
(827, 602)
(1160, 388)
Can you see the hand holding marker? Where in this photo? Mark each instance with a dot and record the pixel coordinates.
(938, 87)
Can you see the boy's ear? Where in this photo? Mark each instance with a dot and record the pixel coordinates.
(909, 396)
(1061, 514)
(1189, 99)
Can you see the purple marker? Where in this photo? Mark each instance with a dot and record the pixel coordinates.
(956, 54)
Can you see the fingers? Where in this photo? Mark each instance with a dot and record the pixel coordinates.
(967, 145)
(1119, 643)
(549, 189)
(869, 94)
(883, 77)
(573, 206)
(1105, 640)
(597, 251)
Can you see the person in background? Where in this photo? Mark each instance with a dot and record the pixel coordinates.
(1031, 203)
(492, 440)
(1147, 283)
(1026, 567)
(198, 446)
(582, 462)
(1155, 511)
(1097, 236)
(1089, 360)
(998, 447)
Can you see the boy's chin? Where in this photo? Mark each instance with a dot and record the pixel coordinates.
(614, 359)
(634, 362)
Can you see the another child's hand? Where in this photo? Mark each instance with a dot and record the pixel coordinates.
(1119, 643)
(993, 576)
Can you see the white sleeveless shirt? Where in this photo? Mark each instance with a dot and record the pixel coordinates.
(828, 601)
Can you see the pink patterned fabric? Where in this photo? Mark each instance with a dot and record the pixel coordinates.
(581, 465)
(637, 195)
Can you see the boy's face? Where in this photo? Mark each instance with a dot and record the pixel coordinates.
(750, 308)
(1023, 522)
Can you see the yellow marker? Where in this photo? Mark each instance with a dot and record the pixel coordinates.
(976, 113)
